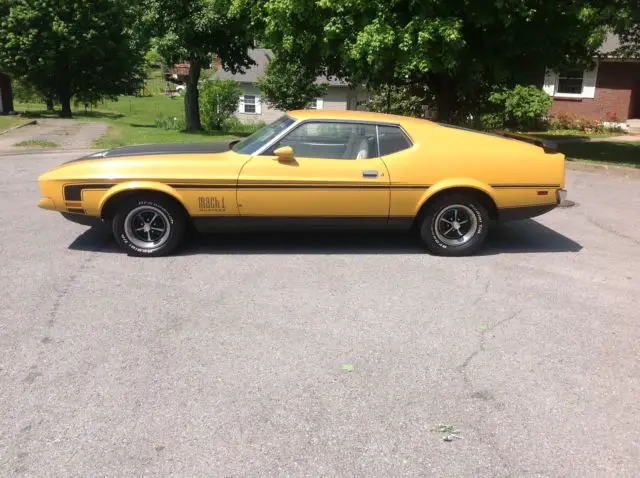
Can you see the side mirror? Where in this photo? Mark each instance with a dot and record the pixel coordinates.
(284, 153)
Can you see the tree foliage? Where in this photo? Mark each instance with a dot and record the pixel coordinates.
(624, 16)
(197, 30)
(398, 100)
(219, 102)
(290, 85)
(455, 48)
(86, 49)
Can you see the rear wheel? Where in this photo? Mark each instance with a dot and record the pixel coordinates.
(149, 226)
(454, 225)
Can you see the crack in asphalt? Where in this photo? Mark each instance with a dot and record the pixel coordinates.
(610, 230)
(71, 280)
(488, 439)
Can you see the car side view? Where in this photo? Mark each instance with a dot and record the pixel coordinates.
(314, 169)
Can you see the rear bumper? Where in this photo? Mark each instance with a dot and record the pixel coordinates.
(561, 196)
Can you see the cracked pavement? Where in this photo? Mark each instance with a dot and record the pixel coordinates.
(227, 359)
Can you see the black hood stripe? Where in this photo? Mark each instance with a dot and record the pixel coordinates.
(161, 149)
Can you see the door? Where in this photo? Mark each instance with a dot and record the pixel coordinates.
(334, 177)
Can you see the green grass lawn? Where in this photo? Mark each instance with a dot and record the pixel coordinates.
(570, 134)
(132, 120)
(7, 122)
(616, 153)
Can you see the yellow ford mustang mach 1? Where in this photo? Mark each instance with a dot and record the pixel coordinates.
(314, 169)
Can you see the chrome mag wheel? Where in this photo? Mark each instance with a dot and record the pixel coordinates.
(147, 227)
(455, 225)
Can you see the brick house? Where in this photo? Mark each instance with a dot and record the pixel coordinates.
(6, 95)
(608, 92)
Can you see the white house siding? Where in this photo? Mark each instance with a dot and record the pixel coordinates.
(337, 98)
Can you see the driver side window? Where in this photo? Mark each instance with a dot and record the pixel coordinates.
(329, 140)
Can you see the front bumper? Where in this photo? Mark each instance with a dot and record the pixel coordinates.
(46, 203)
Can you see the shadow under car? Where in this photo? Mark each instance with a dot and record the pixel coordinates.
(526, 236)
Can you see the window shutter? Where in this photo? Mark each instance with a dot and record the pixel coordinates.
(319, 103)
(258, 106)
(589, 83)
(550, 81)
(241, 104)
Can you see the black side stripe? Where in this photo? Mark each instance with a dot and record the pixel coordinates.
(301, 186)
(73, 192)
(525, 186)
(203, 186)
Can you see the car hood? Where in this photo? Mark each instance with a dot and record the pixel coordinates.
(158, 149)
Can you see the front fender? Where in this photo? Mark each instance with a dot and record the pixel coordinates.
(453, 183)
(141, 186)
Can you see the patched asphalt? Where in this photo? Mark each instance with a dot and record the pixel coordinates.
(321, 355)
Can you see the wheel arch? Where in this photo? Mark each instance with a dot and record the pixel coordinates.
(109, 203)
(483, 192)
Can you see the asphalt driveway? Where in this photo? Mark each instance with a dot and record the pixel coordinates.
(227, 360)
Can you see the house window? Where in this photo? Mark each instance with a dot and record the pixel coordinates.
(316, 104)
(570, 82)
(250, 104)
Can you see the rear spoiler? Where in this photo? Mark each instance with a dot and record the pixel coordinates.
(548, 146)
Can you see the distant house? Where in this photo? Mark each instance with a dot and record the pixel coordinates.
(252, 106)
(6, 95)
(610, 91)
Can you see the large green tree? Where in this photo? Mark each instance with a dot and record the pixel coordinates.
(290, 85)
(457, 49)
(197, 30)
(86, 49)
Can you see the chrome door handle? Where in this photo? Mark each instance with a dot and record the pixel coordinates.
(370, 174)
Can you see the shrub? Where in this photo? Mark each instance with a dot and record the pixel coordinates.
(492, 121)
(567, 121)
(236, 127)
(170, 122)
(521, 108)
(218, 102)
(563, 121)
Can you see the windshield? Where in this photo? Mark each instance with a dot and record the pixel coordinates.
(261, 137)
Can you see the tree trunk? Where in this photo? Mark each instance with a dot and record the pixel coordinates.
(446, 98)
(50, 103)
(191, 98)
(65, 103)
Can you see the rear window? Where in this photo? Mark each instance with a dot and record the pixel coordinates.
(392, 140)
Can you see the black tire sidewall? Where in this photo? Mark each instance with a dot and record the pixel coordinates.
(174, 215)
(428, 226)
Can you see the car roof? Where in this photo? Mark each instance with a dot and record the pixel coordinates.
(357, 116)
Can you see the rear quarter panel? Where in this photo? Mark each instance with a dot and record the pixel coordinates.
(511, 172)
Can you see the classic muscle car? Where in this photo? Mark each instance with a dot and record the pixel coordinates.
(314, 169)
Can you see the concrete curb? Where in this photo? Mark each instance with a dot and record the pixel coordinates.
(27, 123)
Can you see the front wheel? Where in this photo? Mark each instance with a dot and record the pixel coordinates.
(149, 226)
(454, 225)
